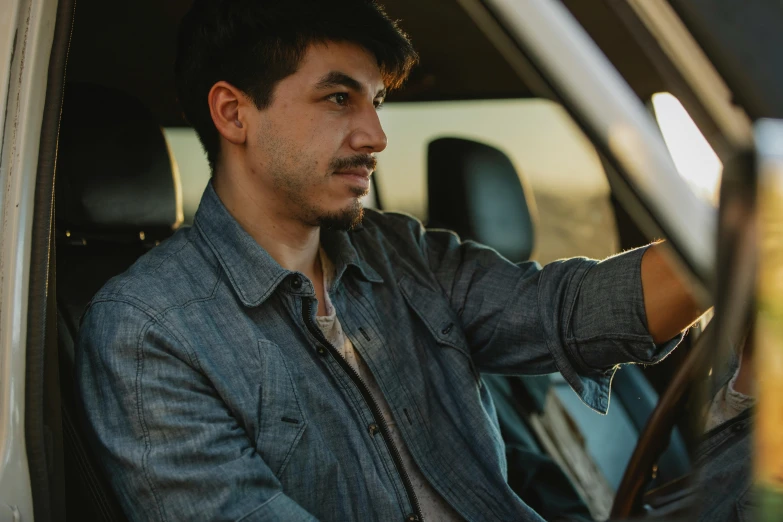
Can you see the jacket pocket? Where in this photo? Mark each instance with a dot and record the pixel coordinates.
(441, 321)
(281, 421)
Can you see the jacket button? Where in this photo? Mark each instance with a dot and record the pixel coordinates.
(321, 350)
(411, 518)
(373, 429)
(296, 283)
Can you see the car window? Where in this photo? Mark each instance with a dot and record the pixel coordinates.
(549, 151)
(692, 154)
(547, 148)
(193, 167)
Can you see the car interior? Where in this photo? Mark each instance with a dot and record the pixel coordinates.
(117, 199)
(119, 193)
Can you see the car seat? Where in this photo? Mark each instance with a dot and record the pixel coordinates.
(117, 196)
(474, 190)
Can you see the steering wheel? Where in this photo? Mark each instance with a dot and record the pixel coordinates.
(655, 437)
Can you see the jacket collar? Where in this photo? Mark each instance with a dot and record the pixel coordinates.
(253, 273)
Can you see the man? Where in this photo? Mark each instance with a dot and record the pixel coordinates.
(291, 357)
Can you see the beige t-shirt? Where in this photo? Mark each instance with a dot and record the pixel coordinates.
(727, 404)
(433, 506)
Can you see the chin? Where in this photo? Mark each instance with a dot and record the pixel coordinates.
(344, 219)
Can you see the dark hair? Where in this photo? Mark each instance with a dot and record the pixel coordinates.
(254, 44)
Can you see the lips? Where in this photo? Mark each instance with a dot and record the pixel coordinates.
(359, 178)
(357, 172)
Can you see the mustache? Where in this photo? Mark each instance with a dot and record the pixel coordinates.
(353, 162)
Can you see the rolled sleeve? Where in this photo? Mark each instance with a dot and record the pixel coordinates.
(606, 327)
(578, 316)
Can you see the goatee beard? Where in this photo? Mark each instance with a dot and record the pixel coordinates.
(345, 220)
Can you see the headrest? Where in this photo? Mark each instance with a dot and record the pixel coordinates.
(115, 173)
(475, 191)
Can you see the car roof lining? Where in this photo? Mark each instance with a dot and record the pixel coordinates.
(131, 46)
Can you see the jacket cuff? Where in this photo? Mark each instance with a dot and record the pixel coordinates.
(608, 327)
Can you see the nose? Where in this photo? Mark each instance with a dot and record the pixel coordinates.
(368, 135)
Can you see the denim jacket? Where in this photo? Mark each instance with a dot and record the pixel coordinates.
(724, 461)
(211, 395)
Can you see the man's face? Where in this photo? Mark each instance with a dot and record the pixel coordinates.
(315, 143)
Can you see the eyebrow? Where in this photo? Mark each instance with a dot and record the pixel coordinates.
(339, 79)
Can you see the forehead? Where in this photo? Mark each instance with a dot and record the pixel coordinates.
(347, 58)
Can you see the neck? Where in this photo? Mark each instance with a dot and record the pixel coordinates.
(290, 242)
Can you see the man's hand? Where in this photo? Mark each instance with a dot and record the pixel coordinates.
(668, 302)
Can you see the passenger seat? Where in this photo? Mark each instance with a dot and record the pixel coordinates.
(475, 191)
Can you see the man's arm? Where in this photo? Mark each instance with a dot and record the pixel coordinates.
(170, 446)
(670, 306)
(579, 317)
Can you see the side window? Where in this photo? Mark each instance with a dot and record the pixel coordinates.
(194, 171)
(692, 155)
(546, 147)
(549, 151)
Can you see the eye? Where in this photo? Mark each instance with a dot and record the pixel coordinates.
(379, 104)
(340, 98)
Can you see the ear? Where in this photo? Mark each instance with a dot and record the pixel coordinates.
(226, 106)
